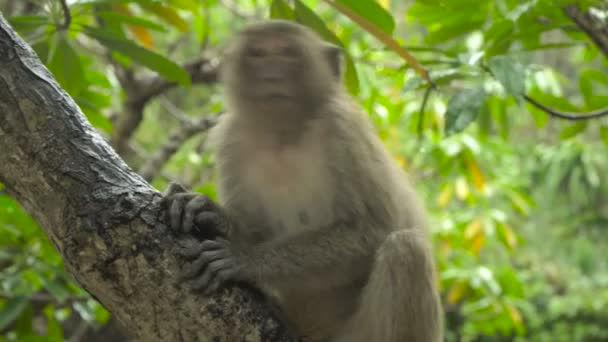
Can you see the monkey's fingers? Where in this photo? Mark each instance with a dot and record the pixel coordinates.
(194, 206)
(174, 188)
(209, 220)
(211, 272)
(191, 248)
(205, 258)
(175, 213)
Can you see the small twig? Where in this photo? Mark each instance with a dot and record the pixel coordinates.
(427, 93)
(174, 112)
(567, 115)
(155, 163)
(67, 15)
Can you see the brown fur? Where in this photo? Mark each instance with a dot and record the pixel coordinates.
(339, 235)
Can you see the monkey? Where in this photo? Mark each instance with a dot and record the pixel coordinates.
(312, 209)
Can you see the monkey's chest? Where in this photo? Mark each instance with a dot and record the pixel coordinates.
(292, 188)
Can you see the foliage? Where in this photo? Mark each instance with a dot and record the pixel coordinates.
(516, 196)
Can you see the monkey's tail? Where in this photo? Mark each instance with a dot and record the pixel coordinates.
(400, 302)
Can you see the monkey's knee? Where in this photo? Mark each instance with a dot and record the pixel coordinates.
(407, 248)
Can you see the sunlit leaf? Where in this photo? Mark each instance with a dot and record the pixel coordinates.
(506, 235)
(462, 188)
(445, 196)
(457, 292)
(573, 130)
(373, 12)
(474, 228)
(476, 173)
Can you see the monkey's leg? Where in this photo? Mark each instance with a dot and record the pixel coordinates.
(400, 303)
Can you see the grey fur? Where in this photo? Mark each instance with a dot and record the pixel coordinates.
(330, 225)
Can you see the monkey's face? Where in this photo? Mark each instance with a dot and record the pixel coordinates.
(280, 65)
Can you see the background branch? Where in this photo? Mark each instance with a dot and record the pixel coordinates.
(155, 163)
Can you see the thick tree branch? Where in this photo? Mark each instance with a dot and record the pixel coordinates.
(102, 217)
(593, 27)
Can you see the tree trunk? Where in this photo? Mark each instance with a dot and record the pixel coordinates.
(102, 217)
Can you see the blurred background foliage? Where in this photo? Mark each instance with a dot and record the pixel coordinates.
(517, 195)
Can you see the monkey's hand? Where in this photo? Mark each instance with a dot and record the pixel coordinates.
(194, 213)
(213, 263)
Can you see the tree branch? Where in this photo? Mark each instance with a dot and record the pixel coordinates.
(102, 217)
(567, 115)
(67, 15)
(140, 92)
(154, 165)
(593, 27)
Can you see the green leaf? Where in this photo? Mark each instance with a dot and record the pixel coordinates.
(30, 22)
(573, 130)
(498, 37)
(373, 12)
(131, 20)
(279, 9)
(463, 109)
(65, 65)
(11, 310)
(54, 332)
(604, 134)
(510, 73)
(144, 56)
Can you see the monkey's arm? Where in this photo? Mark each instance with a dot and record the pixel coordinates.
(320, 258)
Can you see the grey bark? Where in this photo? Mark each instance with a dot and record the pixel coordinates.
(102, 217)
(596, 29)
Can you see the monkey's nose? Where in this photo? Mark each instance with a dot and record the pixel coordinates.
(271, 73)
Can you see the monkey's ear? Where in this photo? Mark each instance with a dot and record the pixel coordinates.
(334, 55)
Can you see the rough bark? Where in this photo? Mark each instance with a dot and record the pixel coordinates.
(596, 29)
(102, 217)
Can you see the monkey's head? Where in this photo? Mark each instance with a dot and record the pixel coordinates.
(280, 66)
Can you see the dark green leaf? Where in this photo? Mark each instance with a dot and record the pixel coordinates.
(65, 65)
(11, 310)
(373, 12)
(463, 109)
(279, 9)
(510, 73)
(26, 23)
(144, 56)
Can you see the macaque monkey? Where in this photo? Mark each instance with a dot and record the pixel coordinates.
(312, 208)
